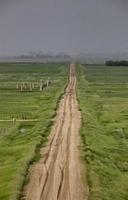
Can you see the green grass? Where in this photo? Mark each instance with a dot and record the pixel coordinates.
(19, 142)
(103, 96)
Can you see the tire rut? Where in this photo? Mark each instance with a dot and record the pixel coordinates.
(57, 176)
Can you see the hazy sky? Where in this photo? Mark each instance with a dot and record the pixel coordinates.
(63, 25)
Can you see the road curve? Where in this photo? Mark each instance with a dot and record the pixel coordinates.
(57, 176)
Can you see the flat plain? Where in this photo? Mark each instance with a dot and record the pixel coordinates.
(25, 117)
(103, 95)
(30, 94)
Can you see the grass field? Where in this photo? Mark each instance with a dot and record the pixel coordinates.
(103, 96)
(19, 141)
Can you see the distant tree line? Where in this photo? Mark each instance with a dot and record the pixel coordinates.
(40, 54)
(117, 63)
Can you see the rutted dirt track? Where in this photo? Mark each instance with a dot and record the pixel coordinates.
(57, 176)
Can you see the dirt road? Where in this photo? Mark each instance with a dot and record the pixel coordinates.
(57, 176)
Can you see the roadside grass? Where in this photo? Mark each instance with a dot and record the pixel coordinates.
(20, 142)
(103, 95)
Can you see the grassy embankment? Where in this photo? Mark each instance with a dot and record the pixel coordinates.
(19, 142)
(103, 95)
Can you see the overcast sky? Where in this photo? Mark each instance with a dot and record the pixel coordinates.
(63, 25)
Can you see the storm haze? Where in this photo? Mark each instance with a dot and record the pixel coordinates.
(70, 26)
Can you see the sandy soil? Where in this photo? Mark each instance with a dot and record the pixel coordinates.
(57, 176)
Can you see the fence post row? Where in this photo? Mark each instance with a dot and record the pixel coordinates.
(31, 86)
